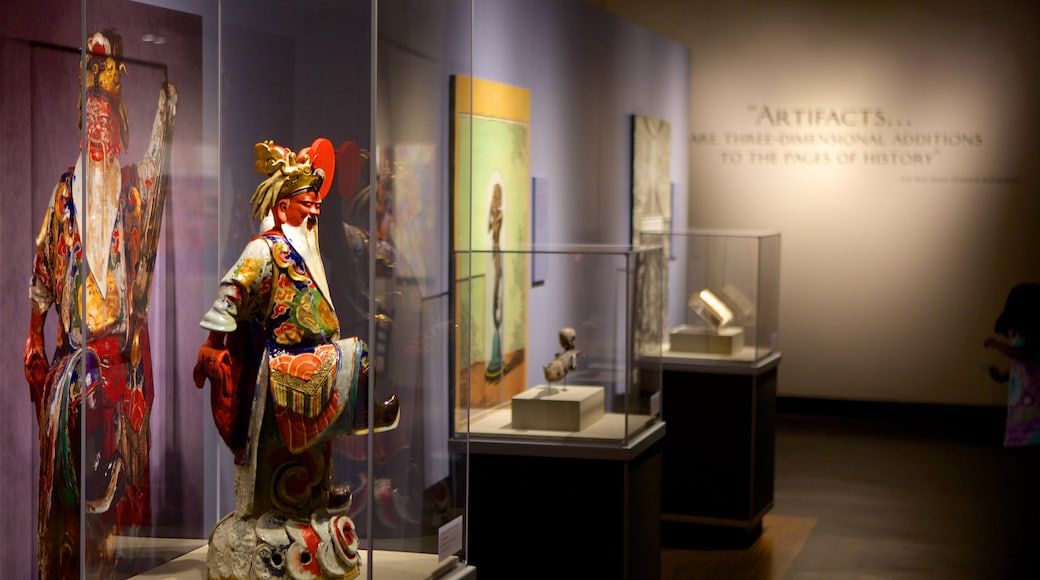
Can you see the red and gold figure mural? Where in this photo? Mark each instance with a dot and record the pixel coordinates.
(95, 255)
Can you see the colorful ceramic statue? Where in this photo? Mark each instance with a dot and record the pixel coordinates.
(94, 260)
(284, 385)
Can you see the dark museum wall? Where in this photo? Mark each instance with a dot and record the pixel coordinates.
(893, 144)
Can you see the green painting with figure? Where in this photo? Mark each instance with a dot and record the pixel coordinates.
(491, 181)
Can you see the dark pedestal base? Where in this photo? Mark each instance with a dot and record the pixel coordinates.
(720, 451)
(592, 513)
(708, 537)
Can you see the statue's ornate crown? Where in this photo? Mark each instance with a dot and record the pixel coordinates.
(288, 173)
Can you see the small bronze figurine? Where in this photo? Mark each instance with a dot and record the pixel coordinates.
(565, 361)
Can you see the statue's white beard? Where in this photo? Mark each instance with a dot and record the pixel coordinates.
(305, 241)
(97, 215)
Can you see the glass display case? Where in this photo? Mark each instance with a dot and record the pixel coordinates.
(558, 343)
(130, 466)
(720, 366)
(723, 294)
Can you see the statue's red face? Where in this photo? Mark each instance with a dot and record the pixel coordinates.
(102, 129)
(299, 208)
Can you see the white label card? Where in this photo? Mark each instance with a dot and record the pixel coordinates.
(449, 539)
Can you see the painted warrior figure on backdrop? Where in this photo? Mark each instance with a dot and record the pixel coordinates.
(496, 365)
(284, 385)
(94, 261)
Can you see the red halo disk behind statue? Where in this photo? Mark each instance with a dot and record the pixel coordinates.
(323, 157)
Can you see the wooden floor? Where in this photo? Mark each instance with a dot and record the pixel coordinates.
(893, 500)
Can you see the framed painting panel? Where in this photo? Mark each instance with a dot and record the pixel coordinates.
(491, 183)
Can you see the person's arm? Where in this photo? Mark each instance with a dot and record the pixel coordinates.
(1013, 351)
(998, 375)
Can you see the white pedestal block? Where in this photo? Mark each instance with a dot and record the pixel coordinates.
(558, 408)
(728, 340)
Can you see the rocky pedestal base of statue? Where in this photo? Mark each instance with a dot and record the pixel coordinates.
(275, 546)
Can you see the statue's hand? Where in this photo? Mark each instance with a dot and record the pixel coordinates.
(214, 363)
(218, 365)
(36, 368)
